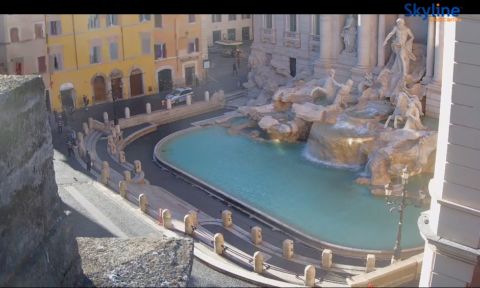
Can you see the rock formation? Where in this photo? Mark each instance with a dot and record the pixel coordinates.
(37, 247)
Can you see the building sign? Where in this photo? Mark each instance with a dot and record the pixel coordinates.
(206, 64)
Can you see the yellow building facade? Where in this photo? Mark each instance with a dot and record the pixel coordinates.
(120, 56)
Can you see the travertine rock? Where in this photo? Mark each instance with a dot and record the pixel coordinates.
(37, 247)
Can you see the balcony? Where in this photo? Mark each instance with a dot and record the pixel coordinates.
(291, 39)
(268, 36)
(314, 43)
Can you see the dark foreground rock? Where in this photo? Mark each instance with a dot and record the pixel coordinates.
(37, 247)
(136, 262)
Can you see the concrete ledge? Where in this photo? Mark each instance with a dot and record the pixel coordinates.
(136, 135)
(391, 276)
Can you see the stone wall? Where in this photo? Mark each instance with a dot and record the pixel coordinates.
(37, 247)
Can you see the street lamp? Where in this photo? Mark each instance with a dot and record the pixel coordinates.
(399, 204)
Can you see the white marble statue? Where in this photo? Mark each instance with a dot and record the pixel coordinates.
(349, 34)
(413, 117)
(343, 94)
(402, 46)
(400, 110)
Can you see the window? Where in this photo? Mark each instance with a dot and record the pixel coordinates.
(56, 61)
(316, 24)
(93, 21)
(144, 17)
(191, 18)
(113, 51)
(39, 31)
(231, 34)
(232, 17)
(18, 66)
(216, 18)
(14, 37)
(269, 21)
(158, 20)
(292, 22)
(193, 46)
(145, 38)
(160, 50)
(245, 16)
(112, 20)
(95, 54)
(55, 27)
(42, 64)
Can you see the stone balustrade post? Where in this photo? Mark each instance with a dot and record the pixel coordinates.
(122, 187)
(258, 262)
(370, 266)
(227, 218)
(207, 96)
(105, 175)
(127, 176)
(138, 166)
(148, 108)
(218, 243)
(256, 235)
(121, 157)
(127, 112)
(189, 99)
(327, 258)
(188, 224)
(169, 104)
(287, 248)
(309, 275)
(105, 118)
(167, 219)
(143, 203)
(194, 216)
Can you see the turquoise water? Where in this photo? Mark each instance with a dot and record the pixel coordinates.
(277, 179)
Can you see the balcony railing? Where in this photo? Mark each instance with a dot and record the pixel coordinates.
(268, 35)
(291, 39)
(314, 43)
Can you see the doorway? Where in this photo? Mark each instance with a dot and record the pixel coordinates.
(116, 84)
(99, 89)
(293, 67)
(245, 33)
(164, 80)
(189, 75)
(136, 83)
(216, 36)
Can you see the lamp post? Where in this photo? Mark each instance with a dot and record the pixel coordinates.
(399, 205)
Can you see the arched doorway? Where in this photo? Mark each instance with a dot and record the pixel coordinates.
(67, 96)
(117, 84)
(136, 82)
(164, 80)
(99, 89)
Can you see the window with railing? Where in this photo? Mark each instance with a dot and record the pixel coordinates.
(94, 21)
(144, 17)
(39, 33)
(42, 64)
(292, 22)
(232, 17)
(55, 27)
(316, 24)
(56, 61)
(193, 46)
(158, 20)
(95, 54)
(269, 21)
(112, 20)
(113, 50)
(191, 18)
(14, 35)
(160, 50)
(216, 18)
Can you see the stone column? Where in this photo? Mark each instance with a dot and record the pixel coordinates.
(327, 258)
(309, 275)
(324, 61)
(430, 49)
(380, 39)
(143, 203)
(189, 99)
(169, 104)
(188, 224)
(148, 108)
(218, 243)
(434, 87)
(366, 50)
(437, 73)
(127, 112)
(287, 248)
(207, 96)
(256, 235)
(370, 266)
(167, 219)
(258, 262)
(227, 218)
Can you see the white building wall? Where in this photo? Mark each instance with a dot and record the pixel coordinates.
(453, 246)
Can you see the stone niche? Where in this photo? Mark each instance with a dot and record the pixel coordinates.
(37, 247)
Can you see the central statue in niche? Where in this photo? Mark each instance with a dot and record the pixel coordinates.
(349, 34)
(402, 46)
